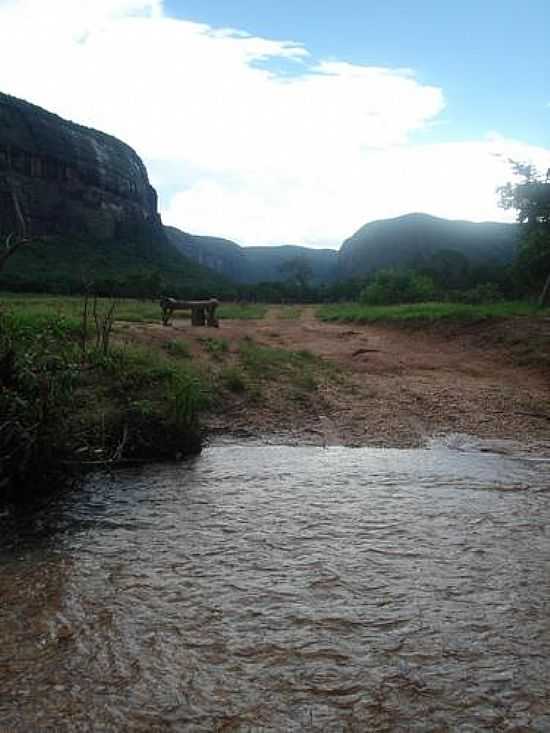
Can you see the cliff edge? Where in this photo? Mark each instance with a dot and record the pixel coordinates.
(70, 180)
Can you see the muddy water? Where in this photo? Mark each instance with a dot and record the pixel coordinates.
(284, 589)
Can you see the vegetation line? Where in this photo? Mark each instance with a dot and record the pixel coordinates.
(427, 312)
(75, 392)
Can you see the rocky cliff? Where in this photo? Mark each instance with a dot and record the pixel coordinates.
(70, 180)
(221, 255)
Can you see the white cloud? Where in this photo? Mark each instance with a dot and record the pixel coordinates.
(237, 149)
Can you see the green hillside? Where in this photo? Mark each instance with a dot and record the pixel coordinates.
(129, 268)
(413, 239)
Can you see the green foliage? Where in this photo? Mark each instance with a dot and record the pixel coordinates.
(484, 293)
(177, 348)
(241, 311)
(533, 261)
(70, 307)
(394, 286)
(269, 363)
(37, 378)
(61, 404)
(232, 378)
(142, 269)
(187, 396)
(216, 347)
(429, 312)
(531, 200)
(135, 366)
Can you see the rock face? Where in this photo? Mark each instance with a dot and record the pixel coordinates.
(221, 255)
(407, 240)
(69, 180)
(252, 264)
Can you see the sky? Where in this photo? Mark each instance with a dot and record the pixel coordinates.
(297, 121)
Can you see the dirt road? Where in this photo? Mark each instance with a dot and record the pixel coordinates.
(394, 386)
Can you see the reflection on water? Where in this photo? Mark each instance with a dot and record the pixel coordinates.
(284, 589)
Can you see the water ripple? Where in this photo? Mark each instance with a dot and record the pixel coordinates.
(284, 589)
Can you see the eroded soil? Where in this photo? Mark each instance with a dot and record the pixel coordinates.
(389, 385)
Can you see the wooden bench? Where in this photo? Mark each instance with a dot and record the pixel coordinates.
(203, 312)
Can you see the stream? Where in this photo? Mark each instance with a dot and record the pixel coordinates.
(275, 588)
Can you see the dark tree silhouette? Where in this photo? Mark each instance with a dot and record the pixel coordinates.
(531, 200)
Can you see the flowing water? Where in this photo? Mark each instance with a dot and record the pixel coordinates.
(284, 589)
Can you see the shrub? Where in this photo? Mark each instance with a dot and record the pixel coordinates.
(232, 379)
(37, 376)
(394, 286)
(216, 347)
(484, 293)
(187, 397)
(178, 348)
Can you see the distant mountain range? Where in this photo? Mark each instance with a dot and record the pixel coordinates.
(89, 194)
(253, 264)
(405, 241)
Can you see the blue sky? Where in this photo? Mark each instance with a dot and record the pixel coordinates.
(297, 122)
(491, 58)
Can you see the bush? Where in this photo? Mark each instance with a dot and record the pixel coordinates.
(484, 293)
(178, 348)
(232, 379)
(37, 376)
(393, 286)
(217, 348)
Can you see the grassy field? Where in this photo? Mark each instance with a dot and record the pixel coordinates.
(127, 309)
(428, 312)
(243, 311)
(71, 307)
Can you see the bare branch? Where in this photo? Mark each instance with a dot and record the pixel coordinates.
(15, 240)
(20, 218)
(11, 247)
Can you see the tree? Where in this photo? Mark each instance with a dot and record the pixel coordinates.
(531, 200)
(389, 287)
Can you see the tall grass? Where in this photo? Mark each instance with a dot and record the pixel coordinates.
(299, 368)
(242, 311)
(61, 402)
(429, 312)
(216, 347)
(38, 375)
(70, 307)
(128, 309)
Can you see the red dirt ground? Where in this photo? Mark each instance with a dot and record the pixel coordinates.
(392, 386)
